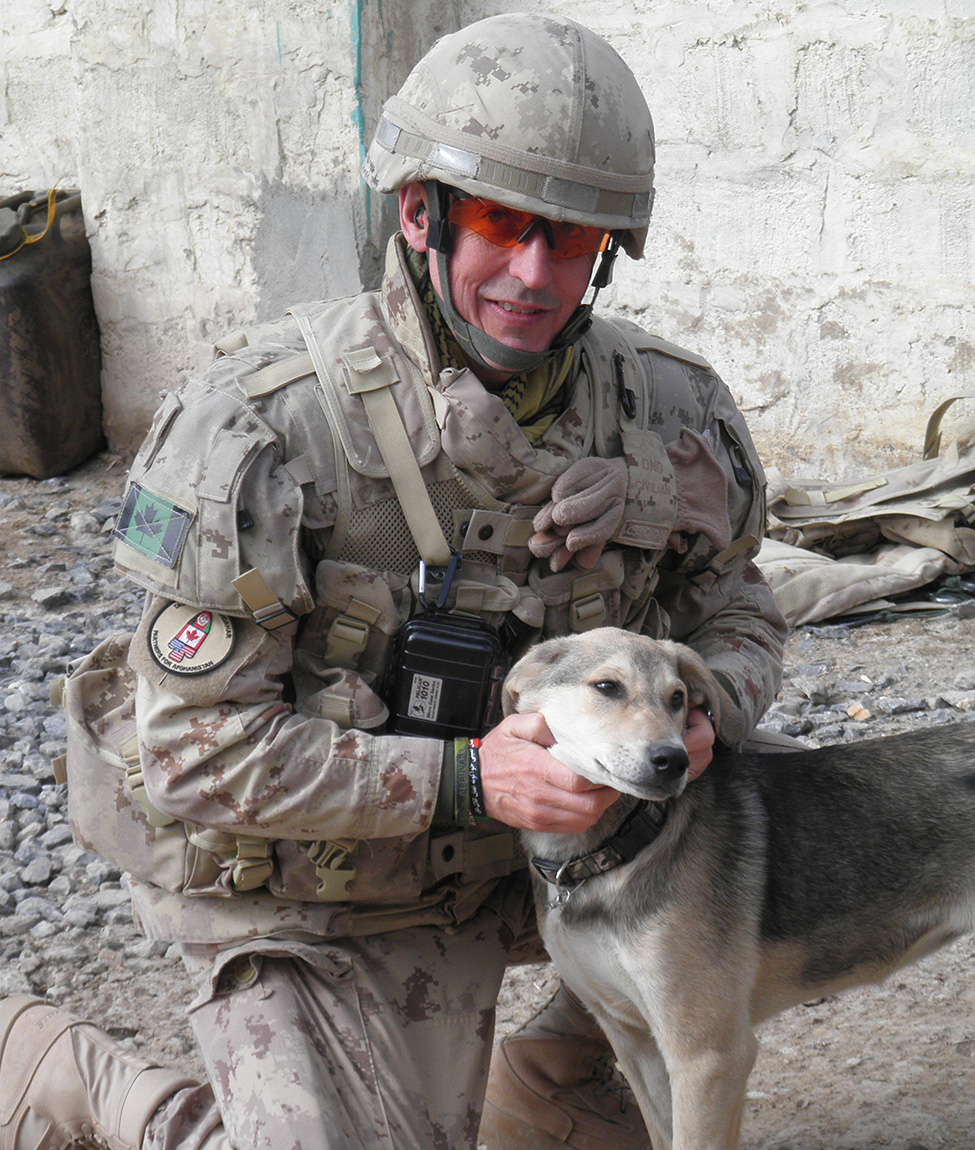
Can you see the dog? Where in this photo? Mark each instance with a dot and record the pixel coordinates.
(689, 914)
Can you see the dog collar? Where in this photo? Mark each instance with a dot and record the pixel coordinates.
(640, 827)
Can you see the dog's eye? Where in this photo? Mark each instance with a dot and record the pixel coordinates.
(677, 701)
(609, 687)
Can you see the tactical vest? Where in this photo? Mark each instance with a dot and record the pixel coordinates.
(435, 472)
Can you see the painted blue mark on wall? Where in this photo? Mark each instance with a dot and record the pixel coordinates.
(359, 113)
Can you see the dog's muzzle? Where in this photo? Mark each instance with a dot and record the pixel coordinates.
(638, 830)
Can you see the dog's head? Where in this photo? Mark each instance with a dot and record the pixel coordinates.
(616, 703)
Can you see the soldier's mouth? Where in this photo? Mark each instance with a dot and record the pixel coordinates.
(518, 309)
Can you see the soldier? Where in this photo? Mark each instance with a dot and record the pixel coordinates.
(469, 449)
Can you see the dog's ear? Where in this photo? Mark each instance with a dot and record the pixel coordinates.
(703, 689)
(525, 673)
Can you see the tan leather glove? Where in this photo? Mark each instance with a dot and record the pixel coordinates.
(584, 513)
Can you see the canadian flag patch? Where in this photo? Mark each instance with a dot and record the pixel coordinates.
(190, 641)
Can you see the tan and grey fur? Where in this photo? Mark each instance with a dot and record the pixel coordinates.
(775, 879)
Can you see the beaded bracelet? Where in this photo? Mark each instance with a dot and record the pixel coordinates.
(475, 790)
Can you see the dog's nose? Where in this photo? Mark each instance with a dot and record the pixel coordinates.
(668, 762)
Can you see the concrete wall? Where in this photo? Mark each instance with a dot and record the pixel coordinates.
(814, 225)
(813, 229)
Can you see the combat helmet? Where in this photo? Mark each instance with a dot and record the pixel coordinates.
(532, 111)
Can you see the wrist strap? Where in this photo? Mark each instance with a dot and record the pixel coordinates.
(468, 793)
(462, 786)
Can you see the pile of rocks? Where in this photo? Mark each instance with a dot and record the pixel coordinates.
(49, 887)
(844, 693)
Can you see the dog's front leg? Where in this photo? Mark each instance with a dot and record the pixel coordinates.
(708, 1091)
(699, 1105)
(644, 1069)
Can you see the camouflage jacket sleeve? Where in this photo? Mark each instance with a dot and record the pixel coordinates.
(234, 755)
(711, 597)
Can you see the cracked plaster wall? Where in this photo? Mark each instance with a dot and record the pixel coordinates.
(813, 234)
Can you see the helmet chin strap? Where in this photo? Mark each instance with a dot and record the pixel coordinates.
(477, 344)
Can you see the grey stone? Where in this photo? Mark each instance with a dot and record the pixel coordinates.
(13, 981)
(38, 872)
(41, 907)
(52, 597)
(82, 914)
(17, 924)
(109, 897)
(56, 836)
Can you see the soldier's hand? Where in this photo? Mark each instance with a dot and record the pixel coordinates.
(524, 786)
(699, 739)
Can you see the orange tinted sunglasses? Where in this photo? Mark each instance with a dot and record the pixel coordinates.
(506, 228)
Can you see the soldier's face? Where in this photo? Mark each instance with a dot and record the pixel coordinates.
(522, 295)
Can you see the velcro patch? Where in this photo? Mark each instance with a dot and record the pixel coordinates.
(187, 641)
(152, 525)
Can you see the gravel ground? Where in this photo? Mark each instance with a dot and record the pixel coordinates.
(882, 1068)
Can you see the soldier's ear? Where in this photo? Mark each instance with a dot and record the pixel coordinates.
(413, 215)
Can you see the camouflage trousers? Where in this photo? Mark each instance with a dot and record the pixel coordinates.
(375, 1043)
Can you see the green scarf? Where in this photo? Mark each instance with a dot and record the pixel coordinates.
(534, 398)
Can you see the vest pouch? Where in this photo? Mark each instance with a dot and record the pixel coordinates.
(640, 579)
(342, 696)
(357, 615)
(577, 600)
(106, 813)
(478, 590)
(381, 872)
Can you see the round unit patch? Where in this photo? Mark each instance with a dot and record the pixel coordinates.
(188, 641)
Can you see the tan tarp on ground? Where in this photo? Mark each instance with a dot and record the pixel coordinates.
(838, 548)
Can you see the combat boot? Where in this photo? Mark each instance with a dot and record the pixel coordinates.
(65, 1083)
(554, 1085)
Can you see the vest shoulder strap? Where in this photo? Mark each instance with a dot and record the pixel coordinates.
(337, 330)
(647, 341)
(371, 377)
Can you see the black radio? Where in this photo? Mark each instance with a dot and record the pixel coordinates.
(445, 678)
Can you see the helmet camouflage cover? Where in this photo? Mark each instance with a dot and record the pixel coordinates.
(531, 111)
